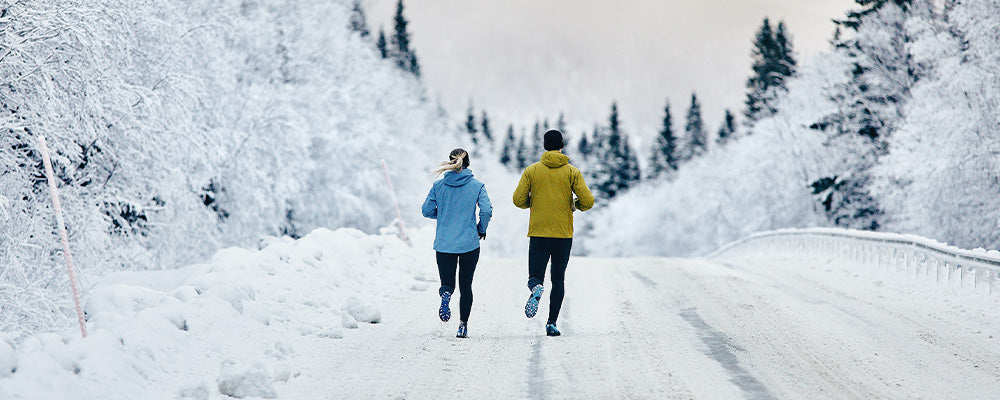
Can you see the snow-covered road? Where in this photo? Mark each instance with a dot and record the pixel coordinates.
(668, 328)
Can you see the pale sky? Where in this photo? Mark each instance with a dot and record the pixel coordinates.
(528, 59)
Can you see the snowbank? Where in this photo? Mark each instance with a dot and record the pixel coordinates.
(228, 327)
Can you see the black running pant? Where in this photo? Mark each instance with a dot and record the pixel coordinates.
(466, 265)
(540, 250)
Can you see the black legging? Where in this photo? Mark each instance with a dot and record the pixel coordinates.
(466, 264)
(539, 251)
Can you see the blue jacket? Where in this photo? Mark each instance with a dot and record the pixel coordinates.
(452, 202)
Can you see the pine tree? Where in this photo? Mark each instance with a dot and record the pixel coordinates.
(537, 141)
(663, 158)
(694, 130)
(507, 155)
(414, 64)
(868, 7)
(583, 146)
(870, 106)
(383, 48)
(522, 153)
(470, 125)
(727, 129)
(404, 56)
(785, 62)
(359, 23)
(631, 173)
(561, 127)
(487, 132)
(773, 62)
(618, 168)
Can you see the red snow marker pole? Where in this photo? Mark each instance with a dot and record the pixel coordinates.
(395, 202)
(50, 176)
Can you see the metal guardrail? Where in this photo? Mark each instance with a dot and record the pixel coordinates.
(919, 256)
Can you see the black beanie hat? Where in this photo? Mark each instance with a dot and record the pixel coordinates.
(553, 140)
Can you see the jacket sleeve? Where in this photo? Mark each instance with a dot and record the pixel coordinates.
(584, 198)
(523, 192)
(485, 210)
(430, 208)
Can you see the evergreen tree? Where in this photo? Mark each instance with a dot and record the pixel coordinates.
(631, 172)
(359, 23)
(487, 131)
(618, 168)
(663, 158)
(727, 129)
(522, 153)
(383, 48)
(537, 141)
(773, 62)
(470, 125)
(870, 106)
(694, 129)
(508, 154)
(785, 63)
(583, 146)
(868, 7)
(561, 123)
(404, 56)
(414, 64)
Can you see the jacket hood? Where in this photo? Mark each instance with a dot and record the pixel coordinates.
(554, 159)
(452, 178)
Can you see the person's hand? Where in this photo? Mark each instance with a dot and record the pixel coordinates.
(482, 236)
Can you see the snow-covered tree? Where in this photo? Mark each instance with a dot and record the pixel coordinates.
(727, 129)
(359, 22)
(381, 45)
(537, 142)
(773, 62)
(694, 131)
(163, 155)
(402, 52)
(484, 122)
(869, 109)
(523, 153)
(509, 152)
(471, 128)
(940, 176)
(663, 154)
(617, 166)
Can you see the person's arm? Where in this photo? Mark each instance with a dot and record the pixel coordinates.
(430, 208)
(584, 198)
(485, 212)
(523, 192)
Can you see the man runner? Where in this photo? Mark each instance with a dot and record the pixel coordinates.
(548, 188)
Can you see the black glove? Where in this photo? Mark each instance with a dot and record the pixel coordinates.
(482, 236)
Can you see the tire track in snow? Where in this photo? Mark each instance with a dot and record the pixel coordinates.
(719, 350)
(537, 389)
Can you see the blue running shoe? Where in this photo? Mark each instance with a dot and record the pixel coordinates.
(531, 308)
(463, 331)
(445, 311)
(551, 330)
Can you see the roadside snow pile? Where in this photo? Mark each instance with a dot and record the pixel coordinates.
(228, 327)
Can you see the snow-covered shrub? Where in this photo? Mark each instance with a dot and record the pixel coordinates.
(179, 127)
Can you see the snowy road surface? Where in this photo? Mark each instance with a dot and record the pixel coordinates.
(667, 328)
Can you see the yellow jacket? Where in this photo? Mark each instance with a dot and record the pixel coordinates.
(547, 187)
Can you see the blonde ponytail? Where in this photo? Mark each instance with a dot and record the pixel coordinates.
(459, 160)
